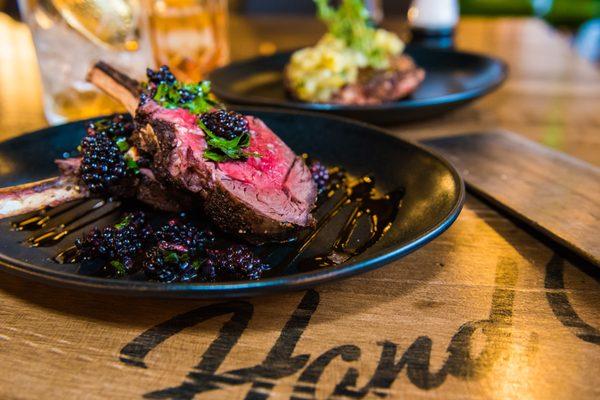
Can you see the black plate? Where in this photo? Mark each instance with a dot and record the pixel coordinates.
(433, 200)
(453, 78)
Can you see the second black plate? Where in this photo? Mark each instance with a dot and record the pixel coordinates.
(453, 78)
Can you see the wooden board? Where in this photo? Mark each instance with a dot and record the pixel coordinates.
(483, 312)
(551, 191)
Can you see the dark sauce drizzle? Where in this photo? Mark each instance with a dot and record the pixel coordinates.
(51, 225)
(381, 211)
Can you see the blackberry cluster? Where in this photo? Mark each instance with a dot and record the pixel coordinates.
(102, 164)
(183, 237)
(185, 94)
(118, 245)
(179, 252)
(324, 177)
(118, 126)
(237, 262)
(170, 266)
(225, 124)
(161, 75)
(176, 255)
(320, 174)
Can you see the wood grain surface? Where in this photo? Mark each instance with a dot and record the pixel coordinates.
(486, 311)
(549, 190)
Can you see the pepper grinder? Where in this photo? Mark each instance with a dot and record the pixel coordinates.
(433, 22)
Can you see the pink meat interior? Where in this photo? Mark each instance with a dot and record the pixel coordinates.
(277, 183)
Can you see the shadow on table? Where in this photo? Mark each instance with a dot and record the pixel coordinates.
(562, 267)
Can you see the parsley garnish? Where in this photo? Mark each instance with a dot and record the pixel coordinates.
(170, 96)
(196, 264)
(132, 165)
(220, 149)
(175, 257)
(122, 144)
(118, 266)
(124, 222)
(351, 23)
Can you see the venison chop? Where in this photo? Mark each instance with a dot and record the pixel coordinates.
(264, 198)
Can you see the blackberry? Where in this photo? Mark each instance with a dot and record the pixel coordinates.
(102, 163)
(186, 96)
(145, 97)
(320, 174)
(170, 266)
(118, 126)
(226, 124)
(183, 237)
(118, 245)
(237, 262)
(161, 75)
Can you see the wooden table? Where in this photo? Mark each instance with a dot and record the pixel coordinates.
(488, 310)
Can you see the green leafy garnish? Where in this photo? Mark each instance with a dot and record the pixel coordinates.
(197, 264)
(351, 23)
(124, 222)
(132, 165)
(220, 149)
(169, 96)
(122, 144)
(118, 266)
(174, 257)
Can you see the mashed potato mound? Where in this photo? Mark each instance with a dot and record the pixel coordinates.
(315, 73)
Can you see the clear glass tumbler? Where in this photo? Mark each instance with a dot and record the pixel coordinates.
(70, 35)
(190, 36)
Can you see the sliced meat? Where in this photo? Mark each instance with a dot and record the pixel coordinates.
(376, 87)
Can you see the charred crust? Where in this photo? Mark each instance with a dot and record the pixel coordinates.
(163, 197)
(229, 214)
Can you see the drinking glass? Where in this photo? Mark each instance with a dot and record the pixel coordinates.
(190, 36)
(70, 35)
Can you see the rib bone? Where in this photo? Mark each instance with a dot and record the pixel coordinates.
(29, 197)
(117, 85)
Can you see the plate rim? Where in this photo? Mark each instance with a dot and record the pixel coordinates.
(297, 281)
(399, 105)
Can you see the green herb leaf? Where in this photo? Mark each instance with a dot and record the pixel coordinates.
(122, 144)
(352, 23)
(172, 257)
(118, 266)
(124, 222)
(220, 149)
(214, 156)
(132, 165)
(196, 264)
(169, 96)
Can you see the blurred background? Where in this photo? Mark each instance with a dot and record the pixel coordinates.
(193, 36)
(565, 13)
